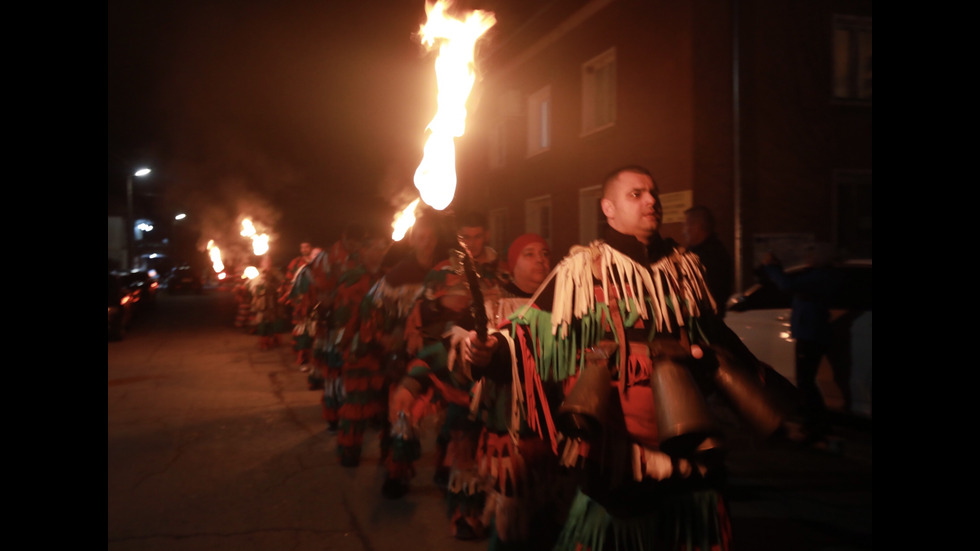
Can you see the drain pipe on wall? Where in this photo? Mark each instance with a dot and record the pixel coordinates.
(737, 146)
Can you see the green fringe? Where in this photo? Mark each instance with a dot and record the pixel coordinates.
(686, 521)
(467, 504)
(352, 275)
(405, 451)
(559, 358)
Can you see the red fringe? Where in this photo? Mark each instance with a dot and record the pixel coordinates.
(356, 384)
(360, 412)
(451, 394)
(461, 451)
(413, 329)
(533, 390)
(350, 439)
(400, 470)
(373, 409)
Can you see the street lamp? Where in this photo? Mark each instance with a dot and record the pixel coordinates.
(130, 245)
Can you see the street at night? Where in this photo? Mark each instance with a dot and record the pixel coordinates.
(330, 221)
(216, 444)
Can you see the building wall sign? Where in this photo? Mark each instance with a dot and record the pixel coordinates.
(674, 204)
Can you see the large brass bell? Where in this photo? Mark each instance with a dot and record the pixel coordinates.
(683, 420)
(585, 409)
(755, 403)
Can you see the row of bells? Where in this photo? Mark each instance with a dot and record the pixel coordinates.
(683, 419)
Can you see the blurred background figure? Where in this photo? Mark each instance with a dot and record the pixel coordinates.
(305, 253)
(813, 291)
(384, 314)
(363, 382)
(292, 303)
(268, 313)
(700, 239)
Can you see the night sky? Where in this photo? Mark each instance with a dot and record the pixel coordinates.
(303, 114)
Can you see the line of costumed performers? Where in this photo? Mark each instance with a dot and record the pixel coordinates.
(580, 405)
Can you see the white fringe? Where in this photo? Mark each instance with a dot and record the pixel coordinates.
(677, 277)
(396, 300)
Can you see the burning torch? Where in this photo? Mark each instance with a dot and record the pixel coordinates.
(455, 39)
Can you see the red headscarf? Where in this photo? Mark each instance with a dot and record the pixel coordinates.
(518, 245)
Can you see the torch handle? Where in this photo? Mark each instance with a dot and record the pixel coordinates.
(477, 308)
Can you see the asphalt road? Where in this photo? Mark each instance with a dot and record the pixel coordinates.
(214, 444)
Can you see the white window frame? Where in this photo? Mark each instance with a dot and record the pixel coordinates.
(497, 144)
(538, 216)
(852, 58)
(599, 92)
(539, 121)
(498, 228)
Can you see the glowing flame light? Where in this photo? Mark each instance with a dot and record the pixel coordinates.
(260, 244)
(260, 241)
(215, 253)
(250, 273)
(404, 220)
(456, 40)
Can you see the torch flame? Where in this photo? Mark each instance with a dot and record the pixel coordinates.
(456, 40)
(404, 220)
(250, 272)
(248, 229)
(260, 244)
(215, 253)
(260, 241)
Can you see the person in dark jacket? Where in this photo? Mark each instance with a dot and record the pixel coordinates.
(813, 290)
(700, 239)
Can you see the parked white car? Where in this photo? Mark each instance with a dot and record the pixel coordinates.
(760, 316)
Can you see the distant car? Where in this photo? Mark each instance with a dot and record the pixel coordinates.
(183, 279)
(760, 316)
(121, 307)
(143, 287)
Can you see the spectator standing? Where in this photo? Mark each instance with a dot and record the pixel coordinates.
(701, 239)
(813, 290)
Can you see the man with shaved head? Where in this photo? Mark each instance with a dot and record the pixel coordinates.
(627, 326)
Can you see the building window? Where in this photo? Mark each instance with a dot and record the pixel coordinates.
(499, 239)
(852, 58)
(537, 216)
(590, 217)
(498, 145)
(599, 92)
(539, 121)
(852, 189)
(510, 108)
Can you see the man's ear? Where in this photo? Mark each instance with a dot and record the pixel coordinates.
(608, 208)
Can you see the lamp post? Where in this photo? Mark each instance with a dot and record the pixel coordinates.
(130, 245)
